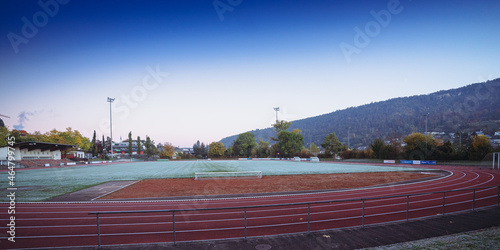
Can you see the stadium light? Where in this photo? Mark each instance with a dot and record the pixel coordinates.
(110, 100)
(277, 109)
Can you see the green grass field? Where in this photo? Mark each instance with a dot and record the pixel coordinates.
(41, 184)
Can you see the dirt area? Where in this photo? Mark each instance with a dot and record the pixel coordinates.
(284, 183)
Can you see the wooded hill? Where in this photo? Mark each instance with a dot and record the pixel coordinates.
(471, 108)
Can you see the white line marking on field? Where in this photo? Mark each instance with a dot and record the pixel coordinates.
(115, 190)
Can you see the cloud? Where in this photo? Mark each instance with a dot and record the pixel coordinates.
(22, 118)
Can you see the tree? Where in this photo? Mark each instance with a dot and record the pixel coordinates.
(262, 149)
(304, 153)
(378, 146)
(168, 151)
(289, 143)
(332, 145)
(279, 127)
(150, 147)
(4, 133)
(130, 144)
(203, 150)
(104, 149)
(480, 147)
(108, 145)
(139, 146)
(94, 145)
(244, 144)
(416, 146)
(445, 151)
(461, 144)
(216, 149)
(197, 149)
(229, 152)
(314, 149)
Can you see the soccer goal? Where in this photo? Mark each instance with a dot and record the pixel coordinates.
(498, 159)
(219, 175)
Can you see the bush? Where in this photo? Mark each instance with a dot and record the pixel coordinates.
(348, 154)
(304, 153)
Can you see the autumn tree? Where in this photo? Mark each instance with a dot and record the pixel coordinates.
(480, 147)
(418, 147)
(216, 149)
(4, 134)
(314, 149)
(168, 151)
(305, 153)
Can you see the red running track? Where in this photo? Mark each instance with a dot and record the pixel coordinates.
(41, 225)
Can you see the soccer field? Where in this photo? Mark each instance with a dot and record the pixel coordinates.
(41, 184)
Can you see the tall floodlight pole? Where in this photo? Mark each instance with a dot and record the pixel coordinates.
(110, 100)
(426, 115)
(277, 109)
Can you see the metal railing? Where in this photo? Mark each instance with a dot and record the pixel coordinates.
(363, 215)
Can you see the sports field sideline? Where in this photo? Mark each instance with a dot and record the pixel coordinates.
(42, 184)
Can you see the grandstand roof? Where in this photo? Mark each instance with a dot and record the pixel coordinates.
(31, 145)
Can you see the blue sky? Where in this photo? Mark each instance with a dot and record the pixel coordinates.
(182, 71)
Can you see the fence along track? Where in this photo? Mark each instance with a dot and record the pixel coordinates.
(439, 203)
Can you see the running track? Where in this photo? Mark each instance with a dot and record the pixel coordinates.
(41, 225)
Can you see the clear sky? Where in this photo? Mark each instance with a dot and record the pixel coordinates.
(182, 71)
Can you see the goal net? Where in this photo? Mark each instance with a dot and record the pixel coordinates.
(218, 175)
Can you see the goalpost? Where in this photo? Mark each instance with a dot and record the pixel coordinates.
(498, 159)
(217, 175)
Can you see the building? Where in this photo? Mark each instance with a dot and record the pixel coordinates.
(122, 147)
(36, 150)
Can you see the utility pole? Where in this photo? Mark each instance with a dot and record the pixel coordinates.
(426, 115)
(348, 142)
(111, 100)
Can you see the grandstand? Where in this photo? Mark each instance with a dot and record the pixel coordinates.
(36, 154)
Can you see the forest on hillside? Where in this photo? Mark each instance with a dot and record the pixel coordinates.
(475, 107)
